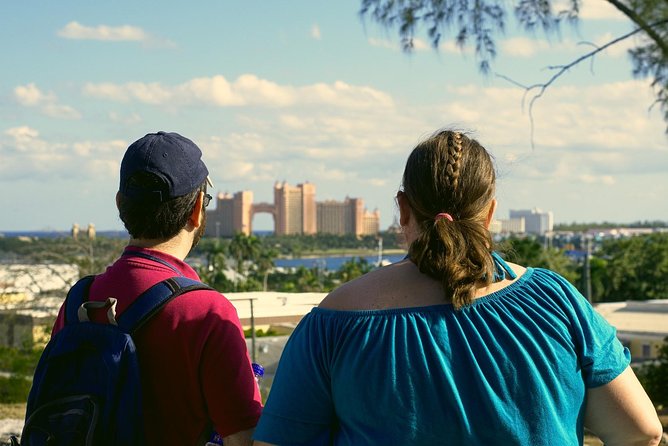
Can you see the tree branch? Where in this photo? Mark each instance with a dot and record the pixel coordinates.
(644, 26)
(564, 68)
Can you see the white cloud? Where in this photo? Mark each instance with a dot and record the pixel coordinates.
(584, 135)
(608, 180)
(315, 32)
(31, 96)
(132, 118)
(344, 95)
(593, 9)
(418, 44)
(522, 46)
(450, 46)
(60, 111)
(600, 10)
(353, 140)
(22, 136)
(263, 92)
(378, 182)
(383, 43)
(77, 31)
(246, 90)
(149, 93)
(294, 122)
(32, 156)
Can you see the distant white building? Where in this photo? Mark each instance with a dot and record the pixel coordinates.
(535, 221)
(507, 226)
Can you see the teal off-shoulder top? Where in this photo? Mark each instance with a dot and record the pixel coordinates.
(510, 369)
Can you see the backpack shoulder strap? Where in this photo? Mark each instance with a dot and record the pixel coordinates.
(76, 296)
(152, 300)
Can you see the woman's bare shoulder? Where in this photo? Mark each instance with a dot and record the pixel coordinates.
(360, 293)
(518, 269)
(398, 285)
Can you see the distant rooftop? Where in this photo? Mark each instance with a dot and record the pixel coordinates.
(273, 307)
(648, 317)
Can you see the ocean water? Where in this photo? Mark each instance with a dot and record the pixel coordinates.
(332, 263)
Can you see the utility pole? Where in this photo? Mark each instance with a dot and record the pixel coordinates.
(586, 276)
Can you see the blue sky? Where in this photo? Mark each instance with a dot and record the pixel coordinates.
(306, 91)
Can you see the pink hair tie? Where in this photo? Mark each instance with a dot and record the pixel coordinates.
(443, 215)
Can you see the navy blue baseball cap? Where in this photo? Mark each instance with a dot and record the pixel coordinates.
(174, 159)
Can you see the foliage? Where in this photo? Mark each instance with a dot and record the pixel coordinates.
(650, 58)
(14, 389)
(583, 227)
(528, 252)
(297, 245)
(637, 267)
(354, 268)
(20, 364)
(302, 280)
(480, 21)
(245, 250)
(654, 377)
(19, 361)
(624, 269)
(259, 333)
(213, 272)
(252, 259)
(599, 278)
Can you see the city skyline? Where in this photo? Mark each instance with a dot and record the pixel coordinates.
(308, 91)
(294, 210)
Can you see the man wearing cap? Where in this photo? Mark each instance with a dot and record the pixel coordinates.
(195, 368)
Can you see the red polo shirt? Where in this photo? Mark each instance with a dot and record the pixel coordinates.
(193, 358)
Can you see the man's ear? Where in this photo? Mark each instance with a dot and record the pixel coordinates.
(490, 212)
(118, 200)
(404, 209)
(197, 215)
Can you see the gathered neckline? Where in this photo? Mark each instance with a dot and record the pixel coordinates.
(493, 296)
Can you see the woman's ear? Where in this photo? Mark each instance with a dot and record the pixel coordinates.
(404, 209)
(490, 212)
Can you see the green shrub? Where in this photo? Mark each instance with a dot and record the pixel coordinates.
(19, 361)
(260, 333)
(14, 389)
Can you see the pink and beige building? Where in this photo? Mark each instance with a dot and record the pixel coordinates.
(294, 210)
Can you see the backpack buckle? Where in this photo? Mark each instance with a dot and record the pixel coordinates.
(109, 304)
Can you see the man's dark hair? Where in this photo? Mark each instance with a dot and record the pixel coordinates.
(147, 217)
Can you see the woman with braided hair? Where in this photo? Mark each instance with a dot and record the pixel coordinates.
(453, 345)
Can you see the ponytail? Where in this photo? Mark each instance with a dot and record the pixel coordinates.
(449, 183)
(456, 253)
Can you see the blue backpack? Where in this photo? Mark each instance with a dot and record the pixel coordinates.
(86, 389)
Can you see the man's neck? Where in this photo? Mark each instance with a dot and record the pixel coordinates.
(178, 246)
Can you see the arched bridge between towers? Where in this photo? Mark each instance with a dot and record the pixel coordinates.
(263, 208)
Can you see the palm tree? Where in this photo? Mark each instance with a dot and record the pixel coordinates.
(264, 263)
(243, 248)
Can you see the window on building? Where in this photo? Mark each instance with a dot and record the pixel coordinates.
(646, 351)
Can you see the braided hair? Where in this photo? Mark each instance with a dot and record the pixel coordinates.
(450, 174)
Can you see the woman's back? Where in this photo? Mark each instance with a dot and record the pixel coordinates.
(450, 346)
(511, 368)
